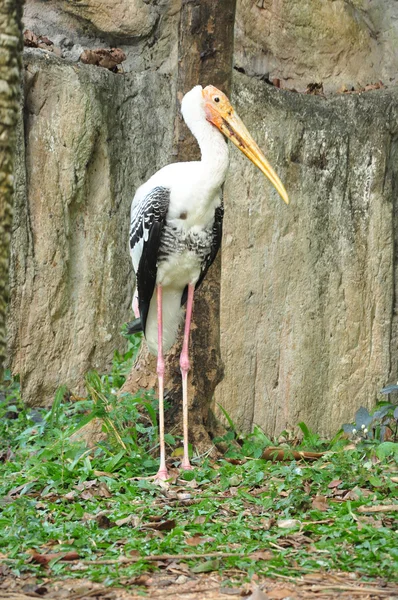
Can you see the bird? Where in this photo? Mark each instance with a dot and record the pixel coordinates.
(175, 234)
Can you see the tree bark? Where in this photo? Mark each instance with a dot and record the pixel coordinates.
(205, 54)
(10, 70)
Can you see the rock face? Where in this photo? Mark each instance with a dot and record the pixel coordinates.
(308, 315)
(146, 31)
(337, 43)
(91, 138)
(131, 18)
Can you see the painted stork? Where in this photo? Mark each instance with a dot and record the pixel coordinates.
(176, 226)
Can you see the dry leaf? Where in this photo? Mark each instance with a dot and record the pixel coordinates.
(196, 540)
(133, 519)
(199, 520)
(351, 495)
(374, 86)
(258, 595)
(103, 490)
(335, 483)
(288, 523)
(230, 591)
(315, 89)
(30, 39)
(69, 495)
(105, 474)
(320, 503)
(262, 555)
(44, 559)
(278, 453)
(162, 526)
(104, 522)
(109, 59)
(142, 580)
(379, 508)
(280, 593)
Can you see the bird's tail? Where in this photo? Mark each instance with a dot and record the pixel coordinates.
(133, 326)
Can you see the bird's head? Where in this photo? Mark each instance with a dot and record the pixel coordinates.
(219, 112)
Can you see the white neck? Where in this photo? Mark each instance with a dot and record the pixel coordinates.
(214, 151)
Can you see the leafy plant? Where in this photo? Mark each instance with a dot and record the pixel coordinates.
(376, 426)
(264, 517)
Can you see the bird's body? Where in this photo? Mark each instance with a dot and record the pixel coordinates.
(176, 228)
(191, 196)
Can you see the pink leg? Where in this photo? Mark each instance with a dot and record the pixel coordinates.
(162, 473)
(184, 364)
(135, 305)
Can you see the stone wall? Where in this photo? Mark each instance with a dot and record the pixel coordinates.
(347, 43)
(90, 138)
(308, 297)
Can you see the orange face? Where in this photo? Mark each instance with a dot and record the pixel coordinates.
(217, 105)
(220, 113)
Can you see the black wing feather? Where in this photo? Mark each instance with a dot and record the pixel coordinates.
(215, 246)
(147, 225)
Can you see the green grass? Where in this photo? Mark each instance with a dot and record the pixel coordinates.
(60, 497)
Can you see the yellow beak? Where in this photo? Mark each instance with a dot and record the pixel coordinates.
(234, 129)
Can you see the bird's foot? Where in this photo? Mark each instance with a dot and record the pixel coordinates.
(186, 466)
(162, 475)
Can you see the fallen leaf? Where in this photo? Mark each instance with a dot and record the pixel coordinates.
(288, 523)
(197, 539)
(335, 483)
(315, 89)
(232, 591)
(374, 86)
(69, 495)
(199, 520)
(105, 474)
(351, 495)
(379, 508)
(194, 540)
(109, 59)
(44, 559)
(103, 490)
(86, 495)
(32, 589)
(30, 39)
(177, 567)
(258, 595)
(104, 522)
(141, 580)
(162, 526)
(320, 503)
(262, 555)
(181, 579)
(133, 519)
(278, 453)
(280, 593)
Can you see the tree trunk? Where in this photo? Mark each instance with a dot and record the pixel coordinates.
(10, 69)
(205, 53)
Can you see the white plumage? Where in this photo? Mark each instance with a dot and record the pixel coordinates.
(176, 227)
(195, 193)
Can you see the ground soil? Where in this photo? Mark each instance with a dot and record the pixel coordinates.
(172, 583)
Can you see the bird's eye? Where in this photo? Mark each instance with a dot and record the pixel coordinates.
(216, 99)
